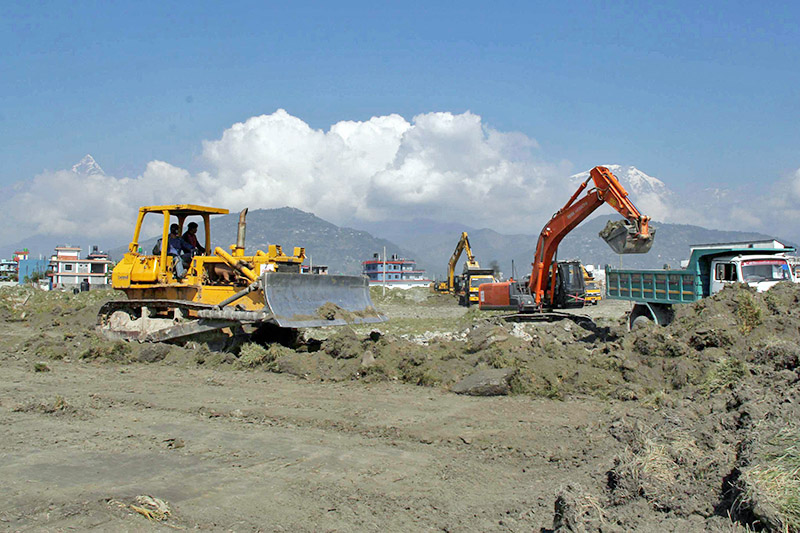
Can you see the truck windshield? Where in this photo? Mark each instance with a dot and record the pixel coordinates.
(765, 270)
(475, 282)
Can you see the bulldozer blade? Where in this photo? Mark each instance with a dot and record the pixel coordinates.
(624, 238)
(311, 301)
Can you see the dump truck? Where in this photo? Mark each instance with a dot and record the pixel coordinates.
(710, 268)
(224, 297)
(546, 287)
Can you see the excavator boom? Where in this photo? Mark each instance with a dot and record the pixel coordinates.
(462, 246)
(631, 235)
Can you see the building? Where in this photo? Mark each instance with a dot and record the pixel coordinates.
(8, 270)
(21, 255)
(321, 270)
(69, 270)
(394, 272)
(34, 271)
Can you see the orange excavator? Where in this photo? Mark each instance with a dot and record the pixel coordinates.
(546, 287)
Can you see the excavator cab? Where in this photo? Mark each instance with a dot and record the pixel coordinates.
(570, 285)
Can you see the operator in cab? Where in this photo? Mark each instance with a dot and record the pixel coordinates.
(190, 238)
(179, 249)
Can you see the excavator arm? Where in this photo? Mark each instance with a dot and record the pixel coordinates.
(633, 235)
(462, 246)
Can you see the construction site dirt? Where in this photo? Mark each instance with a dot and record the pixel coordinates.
(689, 427)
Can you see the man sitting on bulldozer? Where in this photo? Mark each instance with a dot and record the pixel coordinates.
(190, 237)
(180, 250)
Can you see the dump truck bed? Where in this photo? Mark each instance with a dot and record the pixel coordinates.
(656, 286)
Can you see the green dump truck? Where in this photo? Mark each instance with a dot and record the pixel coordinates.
(710, 268)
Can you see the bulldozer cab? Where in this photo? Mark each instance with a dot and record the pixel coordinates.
(158, 266)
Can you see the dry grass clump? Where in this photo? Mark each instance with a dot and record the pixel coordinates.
(254, 355)
(748, 313)
(649, 472)
(725, 374)
(772, 485)
(56, 406)
(102, 350)
(577, 510)
(663, 468)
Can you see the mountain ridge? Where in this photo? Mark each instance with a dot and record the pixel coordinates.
(429, 243)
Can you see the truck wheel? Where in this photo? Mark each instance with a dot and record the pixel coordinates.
(640, 321)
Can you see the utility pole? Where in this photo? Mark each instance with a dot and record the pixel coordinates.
(384, 271)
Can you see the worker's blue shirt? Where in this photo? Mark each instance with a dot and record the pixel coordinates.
(177, 246)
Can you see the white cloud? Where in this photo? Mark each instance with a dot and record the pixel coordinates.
(68, 203)
(440, 165)
(794, 184)
(445, 166)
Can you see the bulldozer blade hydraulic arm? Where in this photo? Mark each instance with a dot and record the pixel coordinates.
(307, 301)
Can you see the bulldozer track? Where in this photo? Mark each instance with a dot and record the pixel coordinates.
(183, 330)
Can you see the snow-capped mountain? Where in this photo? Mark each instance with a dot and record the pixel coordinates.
(636, 182)
(649, 194)
(87, 167)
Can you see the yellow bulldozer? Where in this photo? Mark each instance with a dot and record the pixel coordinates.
(225, 297)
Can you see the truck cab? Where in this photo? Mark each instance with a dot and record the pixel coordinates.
(472, 279)
(758, 271)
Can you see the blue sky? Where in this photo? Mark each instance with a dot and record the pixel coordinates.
(685, 91)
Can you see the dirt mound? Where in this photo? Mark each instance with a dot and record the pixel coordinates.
(724, 378)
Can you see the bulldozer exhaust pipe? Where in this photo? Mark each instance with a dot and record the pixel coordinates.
(240, 234)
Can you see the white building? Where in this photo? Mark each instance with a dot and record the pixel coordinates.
(394, 273)
(8, 270)
(69, 270)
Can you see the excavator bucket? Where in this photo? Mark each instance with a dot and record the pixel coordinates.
(311, 301)
(624, 238)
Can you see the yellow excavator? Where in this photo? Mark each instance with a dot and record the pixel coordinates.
(224, 297)
(466, 287)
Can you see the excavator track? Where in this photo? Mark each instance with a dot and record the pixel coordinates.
(547, 316)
